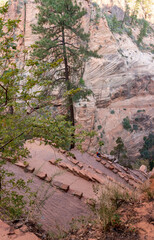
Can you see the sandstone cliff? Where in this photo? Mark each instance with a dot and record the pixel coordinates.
(121, 80)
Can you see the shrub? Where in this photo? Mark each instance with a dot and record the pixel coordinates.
(140, 111)
(126, 124)
(99, 127)
(112, 111)
(145, 188)
(101, 143)
(111, 198)
(135, 127)
(143, 32)
(120, 152)
(114, 24)
(16, 198)
(147, 151)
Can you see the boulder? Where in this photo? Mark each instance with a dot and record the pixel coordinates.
(143, 168)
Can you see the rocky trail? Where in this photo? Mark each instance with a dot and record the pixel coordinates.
(69, 181)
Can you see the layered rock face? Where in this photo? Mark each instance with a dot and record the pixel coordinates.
(121, 79)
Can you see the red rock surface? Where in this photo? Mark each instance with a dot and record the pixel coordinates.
(6, 233)
(68, 185)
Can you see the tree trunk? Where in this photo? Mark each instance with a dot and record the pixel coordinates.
(68, 84)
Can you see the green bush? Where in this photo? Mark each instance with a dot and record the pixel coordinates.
(126, 124)
(135, 127)
(147, 151)
(111, 198)
(120, 152)
(112, 111)
(140, 110)
(99, 127)
(16, 198)
(114, 25)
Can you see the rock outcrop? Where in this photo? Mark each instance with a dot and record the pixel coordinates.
(68, 179)
(121, 80)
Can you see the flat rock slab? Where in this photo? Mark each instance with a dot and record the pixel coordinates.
(61, 186)
(16, 234)
(76, 193)
(60, 206)
(30, 169)
(41, 175)
(74, 161)
(21, 164)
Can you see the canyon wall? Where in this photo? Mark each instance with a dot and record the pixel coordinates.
(121, 80)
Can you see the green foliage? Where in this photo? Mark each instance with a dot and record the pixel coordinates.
(99, 127)
(143, 32)
(112, 112)
(114, 24)
(140, 111)
(16, 198)
(97, 12)
(126, 124)
(135, 127)
(120, 152)
(71, 154)
(131, 20)
(101, 143)
(109, 201)
(25, 102)
(147, 152)
(139, 162)
(58, 160)
(62, 37)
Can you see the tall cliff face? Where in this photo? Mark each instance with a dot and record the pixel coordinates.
(121, 80)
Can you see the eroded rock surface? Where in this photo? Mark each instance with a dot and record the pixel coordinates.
(121, 80)
(70, 181)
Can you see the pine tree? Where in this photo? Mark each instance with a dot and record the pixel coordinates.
(61, 36)
(147, 151)
(119, 150)
(24, 99)
(24, 113)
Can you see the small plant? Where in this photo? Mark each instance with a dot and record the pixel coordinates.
(116, 221)
(140, 111)
(99, 127)
(58, 160)
(114, 25)
(16, 198)
(71, 154)
(101, 143)
(126, 124)
(110, 200)
(101, 135)
(135, 127)
(112, 111)
(97, 13)
(143, 32)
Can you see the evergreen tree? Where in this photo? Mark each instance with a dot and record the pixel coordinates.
(62, 37)
(120, 151)
(147, 151)
(24, 99)
(24, 113)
